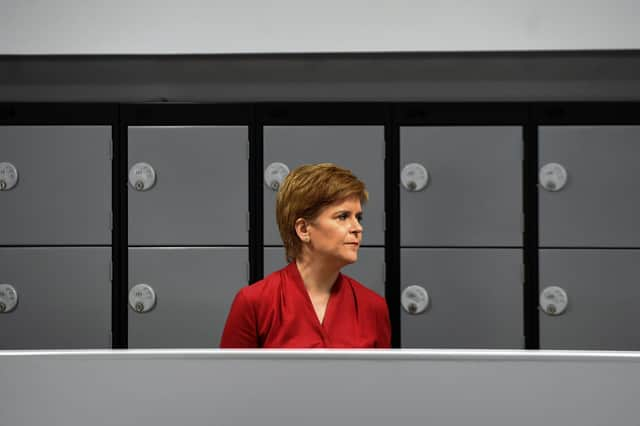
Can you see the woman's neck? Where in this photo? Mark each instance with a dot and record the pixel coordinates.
(317, 276)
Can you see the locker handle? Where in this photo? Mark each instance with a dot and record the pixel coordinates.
(8, 298)
(142, 298)
(553, 177)
(8, 176)
(414, 177)
(274, 175)
(415, 299)
(553, 300)
(142, 176)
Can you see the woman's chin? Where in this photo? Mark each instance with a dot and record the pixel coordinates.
(348, 260)
(340, 259)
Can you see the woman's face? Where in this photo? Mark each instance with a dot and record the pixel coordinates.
(336, 233)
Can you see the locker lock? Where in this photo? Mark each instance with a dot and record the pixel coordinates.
(142, 298)
(415, 299)
(142, 176)
(274, 175)
(414, 177)
(553, 301)
(8, 176)
(552, 177)
(8, 298)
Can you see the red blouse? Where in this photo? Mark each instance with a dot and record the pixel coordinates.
(277, 312)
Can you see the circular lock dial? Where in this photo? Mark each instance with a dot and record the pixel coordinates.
(142, 176)
(142, 298)
(8, 298)
(414, 177)
(274, 175)
(8, 176)
(553, 177)
(553, 300)
(415, 299)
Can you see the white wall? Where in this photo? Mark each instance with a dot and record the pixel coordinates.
(296, 26)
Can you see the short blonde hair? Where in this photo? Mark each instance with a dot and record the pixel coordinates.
(306, 191)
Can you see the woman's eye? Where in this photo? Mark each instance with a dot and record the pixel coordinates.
(360, 218)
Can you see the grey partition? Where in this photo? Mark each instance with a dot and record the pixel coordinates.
(201, 192)
(63, 191)
(373, 388)
(602, 292)
(194, 289)
(368, 270)
(358, 148)
(63, 295)
(474, 194)
(600, 204)
(475, 298)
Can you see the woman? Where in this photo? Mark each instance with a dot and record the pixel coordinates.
(309, 303)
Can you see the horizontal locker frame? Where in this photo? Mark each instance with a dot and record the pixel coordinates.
(585, 113)
(361, 246)
(46, 114)
(461, 114)
(459, 247)
(170, 246)
(587, 248)
(318, 114)
(172, 114)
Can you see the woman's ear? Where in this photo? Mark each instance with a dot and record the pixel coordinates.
(302, 229)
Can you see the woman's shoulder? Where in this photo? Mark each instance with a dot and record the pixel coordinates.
(363, 292)
(268, 285)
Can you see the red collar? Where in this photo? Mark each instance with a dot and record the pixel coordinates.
(294, 275)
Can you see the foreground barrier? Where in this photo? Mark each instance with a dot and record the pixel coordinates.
(414, 387)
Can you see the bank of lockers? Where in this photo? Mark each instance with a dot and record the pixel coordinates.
(461, 235)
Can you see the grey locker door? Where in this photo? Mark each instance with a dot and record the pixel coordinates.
(358, 148)
(475, 298)
(600, 204)
(368, 270)
(63, 194)
(474, 194)
(602, 291)
(64, 298)
(194, 289)
(201, 192)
